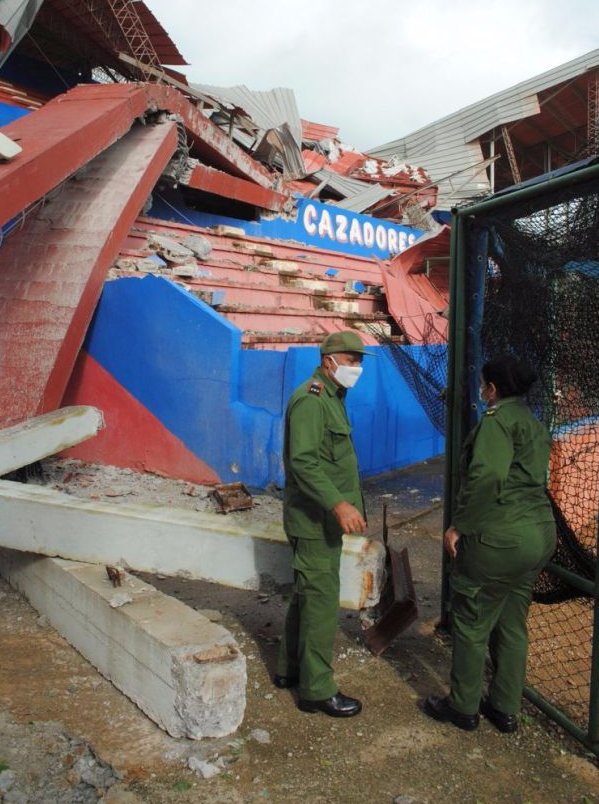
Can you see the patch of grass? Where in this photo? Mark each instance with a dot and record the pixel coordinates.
(182, 787)
(3, 766)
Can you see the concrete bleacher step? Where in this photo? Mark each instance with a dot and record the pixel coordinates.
(231, 310)
(284, 339)
(299, 321)
(278, 293)
(219, 291)
(257, 250)
(223, 267)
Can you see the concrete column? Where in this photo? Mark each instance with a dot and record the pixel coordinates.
(185, 672)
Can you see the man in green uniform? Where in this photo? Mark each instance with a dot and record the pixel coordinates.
(501, 537)
(323, 500)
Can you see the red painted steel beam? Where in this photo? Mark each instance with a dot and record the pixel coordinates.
(53, 269)
(62, 136)
(208, 139)
(210, 180)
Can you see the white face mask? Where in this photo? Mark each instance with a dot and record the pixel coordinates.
(346, 376)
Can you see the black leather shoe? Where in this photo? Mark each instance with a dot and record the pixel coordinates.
(338, 705)
(439, 709)
(285, 682)
(508, 724)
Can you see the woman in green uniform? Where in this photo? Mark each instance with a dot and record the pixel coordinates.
(502, 535)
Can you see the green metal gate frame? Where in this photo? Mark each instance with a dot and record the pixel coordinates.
(458, 426)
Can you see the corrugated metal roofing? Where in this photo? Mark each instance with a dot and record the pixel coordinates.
(368, 197)
(347, 162)
(316, 132)
(16, 17)
(343, 185)
(313, 161)
(450, 145)
(268, 109)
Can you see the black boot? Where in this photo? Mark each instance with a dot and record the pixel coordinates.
(508, 724)
(439, 709)
(337, 705)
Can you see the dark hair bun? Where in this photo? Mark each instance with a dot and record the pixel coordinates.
(511, 377)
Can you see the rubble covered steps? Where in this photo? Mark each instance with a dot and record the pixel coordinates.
(185, 672)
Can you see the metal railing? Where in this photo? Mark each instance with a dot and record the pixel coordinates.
(570, 626)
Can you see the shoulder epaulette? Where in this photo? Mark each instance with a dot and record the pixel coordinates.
(315, 388)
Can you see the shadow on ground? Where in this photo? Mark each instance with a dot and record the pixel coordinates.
(391, 752)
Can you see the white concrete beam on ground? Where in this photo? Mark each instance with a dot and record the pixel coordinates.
(185, 672)
(153, 538)
(45, 435)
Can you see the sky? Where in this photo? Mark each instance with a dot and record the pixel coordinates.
(377, 69)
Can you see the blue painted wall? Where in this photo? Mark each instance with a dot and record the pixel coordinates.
(184, 363)
(325, 226)
(8, 113)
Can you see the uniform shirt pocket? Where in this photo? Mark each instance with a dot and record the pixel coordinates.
(339, 441)
(502, 540)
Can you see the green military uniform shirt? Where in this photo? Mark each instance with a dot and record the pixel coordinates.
(321, 467)
(504, 475)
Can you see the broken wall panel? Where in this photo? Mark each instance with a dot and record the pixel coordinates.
(183, 364)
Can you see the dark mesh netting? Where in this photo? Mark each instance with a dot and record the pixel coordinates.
(424, 368)
(541, 302)
(532, 289)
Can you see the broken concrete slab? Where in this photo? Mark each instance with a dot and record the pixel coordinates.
(315, 285)
(199, 244)
(285, 267)
(185, 672)
(229, 231)
(169, 248)
(337, 306)
(37, 438)
(153, 538)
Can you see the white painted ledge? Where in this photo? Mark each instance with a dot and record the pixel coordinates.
(157, 539)
(45, 435)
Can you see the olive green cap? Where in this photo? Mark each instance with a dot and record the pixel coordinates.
(345, 341)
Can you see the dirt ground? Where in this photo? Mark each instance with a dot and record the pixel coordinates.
(66, 735)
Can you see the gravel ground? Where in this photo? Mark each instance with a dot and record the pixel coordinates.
(66, 735)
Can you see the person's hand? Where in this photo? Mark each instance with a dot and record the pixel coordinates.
(450, 541)
(350, 519)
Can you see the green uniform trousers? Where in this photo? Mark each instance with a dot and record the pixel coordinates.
(491, 594)
(308, 639)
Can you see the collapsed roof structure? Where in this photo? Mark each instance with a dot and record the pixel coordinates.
(275, 229)
(535, 127)
(111, 153)
(170, 255)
